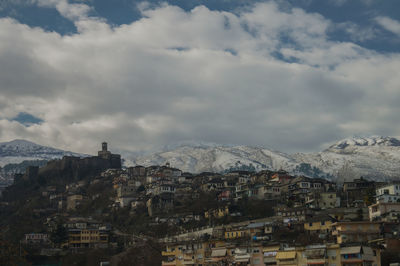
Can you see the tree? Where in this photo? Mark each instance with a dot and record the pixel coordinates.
(60, 235)
(360, 215)
(10, 254)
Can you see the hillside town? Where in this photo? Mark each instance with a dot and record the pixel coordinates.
(93, 211)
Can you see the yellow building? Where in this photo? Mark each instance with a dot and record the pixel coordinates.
(235, 233)
(190, 253)
(217, 213)
(215, 252)
(87, 238)
(329, 255)
(318, 226)
(286, 258)
(270, 253)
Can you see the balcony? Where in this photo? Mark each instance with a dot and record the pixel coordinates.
(168, 253)
(168, 263)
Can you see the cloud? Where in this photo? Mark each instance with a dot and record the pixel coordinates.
(71, 11)
(170, 76)
(389, 24)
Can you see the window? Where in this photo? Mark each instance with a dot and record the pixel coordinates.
(310, 224)
(323, 223)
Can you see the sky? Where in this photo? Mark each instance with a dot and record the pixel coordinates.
(290, 75)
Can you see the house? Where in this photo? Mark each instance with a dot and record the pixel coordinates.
(163, 188)
(388, 193)
(218, 255)
(217, 213)
(257, 256)
(270, 191)
(364, 231)
(384, 211)
(293, 214)
(87, 238)
(241, 256)
(319, 224)
(286, 257)
(359, 255)
(36, 238)
(329, 255)
(125, 201)
(233, 233)
(137, 172)
(281, 177)
(358, 190)
(126, 191)
(269, 253)
(224, 195)
(298, 188)
(348, 214)
(241, 190)
(258, 231)
(74, 201)
(216, 183)
(322, 200)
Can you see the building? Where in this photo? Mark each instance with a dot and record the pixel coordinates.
(322, 200)
(115, 159)
(359, 255)
(384, 211)
(87, 238)
(388, 193)
(361, 232)
(358, 192)
(319, 225)
(74, 201)
(36, 238)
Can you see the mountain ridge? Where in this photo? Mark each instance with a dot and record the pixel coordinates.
(375, 157)
(19, 150)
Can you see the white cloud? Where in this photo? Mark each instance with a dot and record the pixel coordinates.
(71, 11)
(389, 24)
(171, 76)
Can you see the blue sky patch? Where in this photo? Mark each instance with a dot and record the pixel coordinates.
(27, 119)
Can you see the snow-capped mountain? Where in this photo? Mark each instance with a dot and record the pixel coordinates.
(17, 151)
(376, 157)
(373, 157)
(201, 158)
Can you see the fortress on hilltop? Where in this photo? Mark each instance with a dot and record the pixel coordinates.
(75, 168)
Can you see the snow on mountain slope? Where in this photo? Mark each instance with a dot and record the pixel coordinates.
(17, 151)
(372, 157)
(202, 158)
(375, 157)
